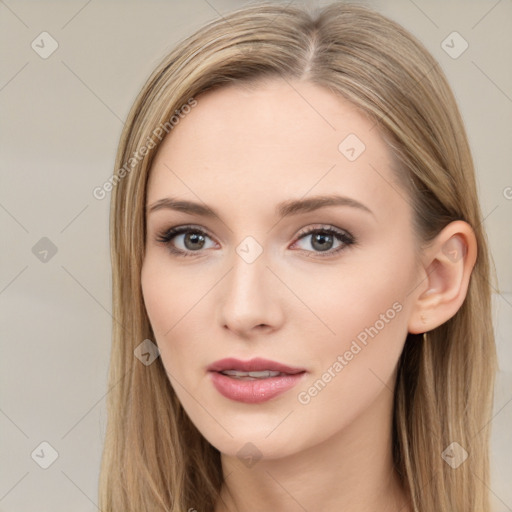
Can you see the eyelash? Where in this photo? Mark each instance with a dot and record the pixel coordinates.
(345, 237)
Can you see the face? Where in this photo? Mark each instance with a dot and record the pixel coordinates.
(324, 289)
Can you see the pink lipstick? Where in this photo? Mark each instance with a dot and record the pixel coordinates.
(253, 381)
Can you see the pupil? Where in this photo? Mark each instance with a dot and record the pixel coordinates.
(196, 238)
(321, 238)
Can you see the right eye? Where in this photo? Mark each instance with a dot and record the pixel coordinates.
(193, 240)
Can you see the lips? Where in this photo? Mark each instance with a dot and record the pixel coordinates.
(254, 381)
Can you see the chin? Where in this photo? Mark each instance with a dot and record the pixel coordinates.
(251, 440)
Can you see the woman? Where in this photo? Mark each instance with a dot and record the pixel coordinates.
(295, 225)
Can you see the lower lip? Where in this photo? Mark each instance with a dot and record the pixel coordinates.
(254, 391)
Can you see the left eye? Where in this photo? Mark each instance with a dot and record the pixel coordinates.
(194, 239)
(322, 239)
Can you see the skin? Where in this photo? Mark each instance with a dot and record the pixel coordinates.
(241, 151)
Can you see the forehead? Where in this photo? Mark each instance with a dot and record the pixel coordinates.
(269, 143)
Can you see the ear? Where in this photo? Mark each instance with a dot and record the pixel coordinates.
(446, 267)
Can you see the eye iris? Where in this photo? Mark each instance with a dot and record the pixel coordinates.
(321, 239)
(195, 238)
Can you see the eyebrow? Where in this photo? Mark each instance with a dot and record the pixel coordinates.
(284, 209)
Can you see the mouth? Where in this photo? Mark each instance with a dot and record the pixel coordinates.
(253, 381)
(264, 374)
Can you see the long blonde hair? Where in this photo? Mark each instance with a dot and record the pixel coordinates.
(154, 458)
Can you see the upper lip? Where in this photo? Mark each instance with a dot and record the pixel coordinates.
(253, 365)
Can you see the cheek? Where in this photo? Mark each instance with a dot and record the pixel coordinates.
(351, 300)
(353, 370)
(365, 316)
(164, 300)
(168, 293)
(157, 299)
(176, 301)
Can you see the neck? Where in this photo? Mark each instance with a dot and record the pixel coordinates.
(351, 470)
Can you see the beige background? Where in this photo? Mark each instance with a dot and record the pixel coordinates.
(61, 120)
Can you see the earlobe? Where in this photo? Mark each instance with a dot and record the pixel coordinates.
(448, 263)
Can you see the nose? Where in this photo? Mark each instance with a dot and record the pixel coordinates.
(249, 298)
